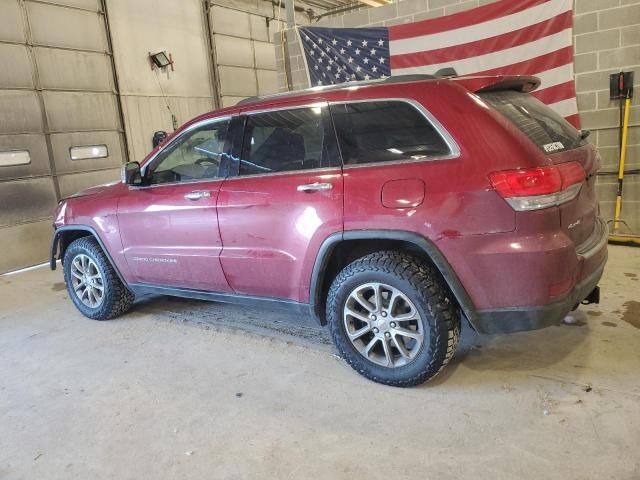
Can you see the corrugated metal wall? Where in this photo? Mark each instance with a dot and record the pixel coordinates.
(56, 92)
(244, 53)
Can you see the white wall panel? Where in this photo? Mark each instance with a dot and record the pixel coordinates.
(36, 145)
(25, 245)
(229, 21)
(267, 82)
(72, 70)
(176, 27)
(66, 27)
(17, 71)
(86, 4)
(11, 21)
(19, 112)
(259, 29)
(236, 81)
(234, 51)
(62, 142)
(80, 111)
(70, 184)
(265, 56)
(26, 200)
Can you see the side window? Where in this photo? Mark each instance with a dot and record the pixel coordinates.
(286, 140)
(385, 131)
(198, 154)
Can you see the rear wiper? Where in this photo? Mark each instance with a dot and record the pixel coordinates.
(584, 134)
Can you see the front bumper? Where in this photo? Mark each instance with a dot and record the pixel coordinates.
(516, 319)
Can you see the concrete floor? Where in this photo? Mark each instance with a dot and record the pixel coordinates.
(181, 389)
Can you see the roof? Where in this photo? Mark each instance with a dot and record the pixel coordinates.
(523, 83)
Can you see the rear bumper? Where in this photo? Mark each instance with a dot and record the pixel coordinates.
(517, 319)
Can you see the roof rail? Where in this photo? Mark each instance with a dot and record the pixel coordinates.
(392, 79)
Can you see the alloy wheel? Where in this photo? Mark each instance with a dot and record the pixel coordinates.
(383, 325)
(87, 281)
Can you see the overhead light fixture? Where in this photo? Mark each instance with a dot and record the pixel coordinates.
(161, 60)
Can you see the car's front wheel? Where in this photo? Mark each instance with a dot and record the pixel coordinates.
(392, 318)
(92, 283)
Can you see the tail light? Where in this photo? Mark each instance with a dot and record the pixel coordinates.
(537, 188)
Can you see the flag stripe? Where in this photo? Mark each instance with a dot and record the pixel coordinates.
(502, 58)
(535, 65)
(573, 120)
(495, 27)
(565, 108)
(485, 46)
(555, 76)
(556, 93)
(457, 20)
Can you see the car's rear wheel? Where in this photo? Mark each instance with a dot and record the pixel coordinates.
(392, 318)
(92, 283)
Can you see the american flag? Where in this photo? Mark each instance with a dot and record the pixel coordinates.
(525, 37)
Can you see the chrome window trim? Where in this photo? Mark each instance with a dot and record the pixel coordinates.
(319, 103)
(194, 126)
(287, 172)
(454, 149)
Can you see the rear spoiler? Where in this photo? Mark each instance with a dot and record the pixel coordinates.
(519, 83)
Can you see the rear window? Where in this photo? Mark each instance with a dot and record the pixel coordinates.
(544, 127)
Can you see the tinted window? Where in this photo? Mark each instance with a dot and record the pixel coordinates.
(384, 132)
(546, 128)
(285, 140)
(196, 155)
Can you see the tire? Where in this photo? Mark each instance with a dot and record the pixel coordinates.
(421, 290)
(116, 299)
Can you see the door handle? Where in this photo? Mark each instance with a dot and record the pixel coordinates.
(197, 195)
(315, 187)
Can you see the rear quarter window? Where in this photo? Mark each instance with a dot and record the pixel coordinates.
(385, 131)
(544, 127)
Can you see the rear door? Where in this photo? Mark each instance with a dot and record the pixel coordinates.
(285, 198)
(561, 142)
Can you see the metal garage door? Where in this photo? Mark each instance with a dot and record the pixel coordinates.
(245, 62)
(58, 95)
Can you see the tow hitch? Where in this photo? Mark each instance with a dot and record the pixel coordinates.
(593, 297)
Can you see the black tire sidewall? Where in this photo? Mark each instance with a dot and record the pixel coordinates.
(370, 369)
(90, 250)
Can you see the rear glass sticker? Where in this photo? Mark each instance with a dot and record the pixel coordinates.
(553, 147)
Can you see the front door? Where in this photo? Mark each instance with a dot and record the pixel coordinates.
(284, 200)
(169, 226)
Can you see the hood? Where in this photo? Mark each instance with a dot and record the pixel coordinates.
(93, 190)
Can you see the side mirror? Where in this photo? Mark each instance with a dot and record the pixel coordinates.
(130, 173)
(158, 138)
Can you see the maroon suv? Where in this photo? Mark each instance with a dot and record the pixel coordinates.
(389, 210)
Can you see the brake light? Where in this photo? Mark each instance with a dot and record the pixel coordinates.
(541, 187)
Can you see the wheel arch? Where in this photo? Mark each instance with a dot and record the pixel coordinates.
(357, 243)
(65, 235)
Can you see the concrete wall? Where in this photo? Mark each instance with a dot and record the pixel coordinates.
(606, 40)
